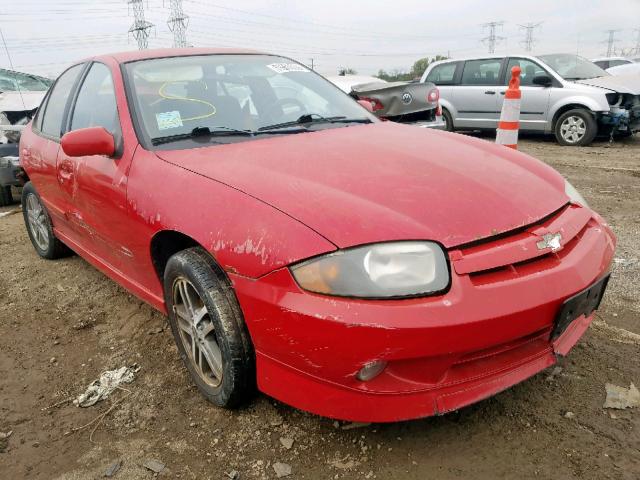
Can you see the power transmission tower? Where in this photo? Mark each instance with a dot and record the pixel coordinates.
(610, 42)
(178, 23)
(140, 28)
(492, 39)
(528, 41)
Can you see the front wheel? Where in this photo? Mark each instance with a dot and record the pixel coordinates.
(208, 328)
(576, 128)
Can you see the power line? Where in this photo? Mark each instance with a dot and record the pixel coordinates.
(528, 41)
(178, 23)
(140, 28)
(492, 39)
(610, 42)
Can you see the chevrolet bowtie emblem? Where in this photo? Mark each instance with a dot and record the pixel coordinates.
(550, 240)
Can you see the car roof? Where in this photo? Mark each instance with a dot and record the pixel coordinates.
(602, 59)
(135, 55)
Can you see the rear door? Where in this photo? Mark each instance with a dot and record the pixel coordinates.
(534, 106)
(477, 97)
(40, 145)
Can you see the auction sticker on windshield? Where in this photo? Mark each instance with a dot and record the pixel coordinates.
(287, 67)
(167, 120)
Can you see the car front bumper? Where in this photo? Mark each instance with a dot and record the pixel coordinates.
(491, 330)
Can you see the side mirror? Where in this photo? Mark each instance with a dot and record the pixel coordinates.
(542, 80)
(367, 105)
(88, 141)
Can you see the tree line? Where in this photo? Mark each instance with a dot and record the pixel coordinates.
(415, 73)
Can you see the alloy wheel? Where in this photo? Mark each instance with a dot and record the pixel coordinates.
(573, 129)
(37, 222)
(197, 332)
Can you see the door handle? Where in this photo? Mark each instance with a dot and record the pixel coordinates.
(489, 92)
(502, 93)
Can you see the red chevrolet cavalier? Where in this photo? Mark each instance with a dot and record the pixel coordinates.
(357, 269)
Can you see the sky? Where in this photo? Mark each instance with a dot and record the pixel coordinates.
(45, 36)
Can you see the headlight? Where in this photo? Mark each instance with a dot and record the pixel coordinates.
(574, 195)
(384, 270)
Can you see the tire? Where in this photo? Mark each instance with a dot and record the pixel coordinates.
(223, 366)
(39, 227)
(448, 121)
(575, 128)
(6, 198)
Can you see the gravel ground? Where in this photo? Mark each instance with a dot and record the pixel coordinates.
(62, 323)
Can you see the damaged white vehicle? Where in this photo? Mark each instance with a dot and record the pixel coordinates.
(563, 94)
(20, 97)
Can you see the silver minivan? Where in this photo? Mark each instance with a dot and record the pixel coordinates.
(563, 94)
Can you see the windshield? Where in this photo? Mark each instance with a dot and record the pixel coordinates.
(573, 67)
(16, 81)
(181, 96)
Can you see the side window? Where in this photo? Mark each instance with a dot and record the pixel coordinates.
(529, 71)
(96, 102)
(442, 74)
(52, 120)
(604, 64)
(615, 63)
(481, 72)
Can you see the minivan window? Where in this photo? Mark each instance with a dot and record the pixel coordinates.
(529, 70)
(442, 74)
(52, 121)
(481, 72)
(96, 103)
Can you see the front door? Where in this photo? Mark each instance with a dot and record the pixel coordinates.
(96, 185)
(534, 106)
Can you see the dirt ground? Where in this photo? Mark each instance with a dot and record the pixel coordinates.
(62, 323)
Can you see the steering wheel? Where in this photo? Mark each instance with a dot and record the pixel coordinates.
(275, 110)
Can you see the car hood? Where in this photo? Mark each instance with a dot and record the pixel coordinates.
(385, 181)
(617, 83)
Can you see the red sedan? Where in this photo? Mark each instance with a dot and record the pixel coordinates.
(357, 269)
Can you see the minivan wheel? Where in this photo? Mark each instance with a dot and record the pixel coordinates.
(39, 226)
(448, 121)
(208, 328)
(576, 127)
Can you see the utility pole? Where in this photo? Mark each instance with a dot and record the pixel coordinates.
(610, 42)
(528, 41)
(140, 28)
(312, 64)
(492, 39)
(636, 49)
(178, 23)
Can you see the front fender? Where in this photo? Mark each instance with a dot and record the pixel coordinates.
(588, 102)
(245, 235)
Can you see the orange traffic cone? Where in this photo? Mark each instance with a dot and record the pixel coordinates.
(509, 124)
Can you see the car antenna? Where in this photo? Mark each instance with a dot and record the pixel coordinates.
(13, 71)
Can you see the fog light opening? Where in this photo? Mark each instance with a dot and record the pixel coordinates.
(371, 370)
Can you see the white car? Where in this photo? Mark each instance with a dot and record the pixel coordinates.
(619, 65)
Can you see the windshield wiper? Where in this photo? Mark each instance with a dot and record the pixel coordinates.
(309, 118)
(201, 132)
(219, 132)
